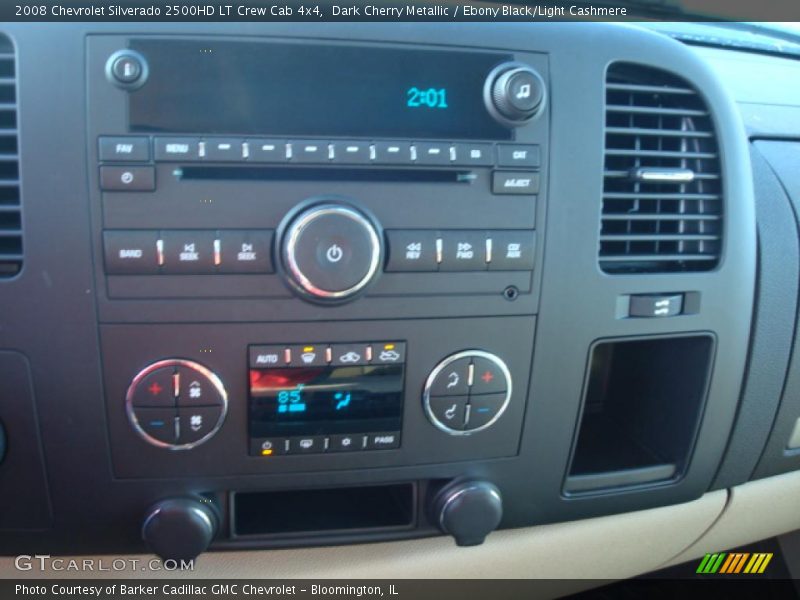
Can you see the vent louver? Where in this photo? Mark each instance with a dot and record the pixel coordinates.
(10, 205)
(662, 193)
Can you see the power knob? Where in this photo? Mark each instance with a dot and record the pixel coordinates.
(331, 252)
(469, 511)
(514, 93)
(179, 528)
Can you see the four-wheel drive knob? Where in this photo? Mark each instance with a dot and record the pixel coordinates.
(180, 528)
(469, 511)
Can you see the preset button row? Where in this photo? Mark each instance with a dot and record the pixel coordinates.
(179, 251)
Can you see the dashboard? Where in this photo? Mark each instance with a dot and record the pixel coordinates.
(270, 286)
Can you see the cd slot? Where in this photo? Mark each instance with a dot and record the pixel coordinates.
(283, 173)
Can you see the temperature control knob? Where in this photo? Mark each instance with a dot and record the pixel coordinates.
(331, 252)
(176, 404)
(469, 511)
(514, 94)
(180, 528)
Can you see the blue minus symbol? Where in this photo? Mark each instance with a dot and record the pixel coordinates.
(156, 423)
(483, 410)
(297, 408)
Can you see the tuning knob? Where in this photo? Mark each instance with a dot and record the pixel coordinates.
(331, 252)
(514, 94)
(469, 511)
(180, 528)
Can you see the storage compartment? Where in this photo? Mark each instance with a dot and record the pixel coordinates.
(335, 510)
(641, 411)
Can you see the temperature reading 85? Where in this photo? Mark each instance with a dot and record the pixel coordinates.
(291, 401)
(430, 98)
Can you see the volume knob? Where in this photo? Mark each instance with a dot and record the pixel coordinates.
(469, 511)
(516, 94)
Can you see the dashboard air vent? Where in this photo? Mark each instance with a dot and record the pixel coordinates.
(662, 193)
(10, 206)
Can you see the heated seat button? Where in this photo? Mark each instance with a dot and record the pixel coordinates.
(488, 378)
(196, 422)
(512, 250)
(156, 389)
(411, 250)
(482, 409)
(463, 251)
(188, 251)
(131, 252)
(449, 411)
(157, 423)
(245, 251)
(453, 380)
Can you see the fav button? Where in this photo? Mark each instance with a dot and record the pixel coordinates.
(453, 379)
(487, 377)
(450, 411)
(124, 148)
(196, 422)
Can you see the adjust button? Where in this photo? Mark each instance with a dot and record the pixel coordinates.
(488, 378)
(128, 179)
(483, 409)
(155, 389)
(411, 250)
(131, 252)
(515, 182)
(158, 423)
(450, 411)
(453, 380)
(188, 251)
(196, 422)
(245, 251)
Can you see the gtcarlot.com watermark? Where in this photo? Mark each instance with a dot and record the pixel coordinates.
(45, 562)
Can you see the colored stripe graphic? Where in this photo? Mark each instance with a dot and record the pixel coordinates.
(758, 563)
(734, 562)
(711, 563)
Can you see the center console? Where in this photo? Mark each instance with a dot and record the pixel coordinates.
(385, 283)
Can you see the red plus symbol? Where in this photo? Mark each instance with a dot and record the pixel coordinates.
(155, 389)
(487, 376)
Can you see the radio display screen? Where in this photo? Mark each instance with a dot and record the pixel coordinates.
(297, 401)
(312, 90)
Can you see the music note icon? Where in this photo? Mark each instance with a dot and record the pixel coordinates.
(524, 91)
